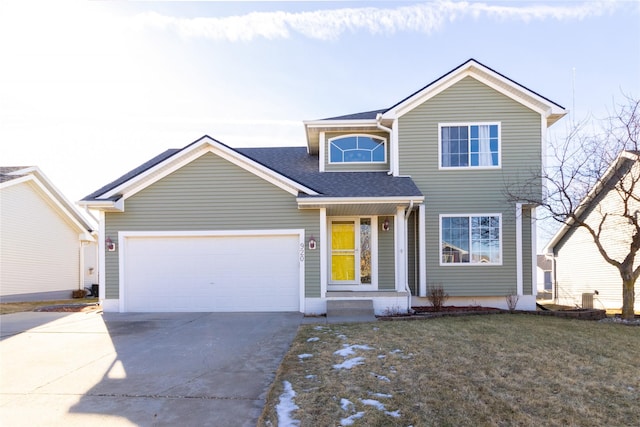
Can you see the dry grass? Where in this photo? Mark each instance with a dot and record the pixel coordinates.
(494, 370)
(17, 307)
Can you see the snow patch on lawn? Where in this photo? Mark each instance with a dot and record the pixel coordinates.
(348, 350)
(381, 377)
(350, 363)
(351, 419)
(386, 396)
(304, 356)
(345, 404)
(286, 406)
(379, 406)
(370, 402)
(313, 339)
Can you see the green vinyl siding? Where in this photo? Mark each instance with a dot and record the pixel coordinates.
(471, 191)
(355, 167)
(386, 256)
(211, 193)
(412, 252)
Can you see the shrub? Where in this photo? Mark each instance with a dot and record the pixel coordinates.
(512, 301)
(437, 296)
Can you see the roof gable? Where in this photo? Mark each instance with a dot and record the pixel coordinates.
(112, 196)
(15, 175)
(372, 120)
(472, 68)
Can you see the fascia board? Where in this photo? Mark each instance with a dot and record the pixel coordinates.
(304, 201)
(15, 181)
(261, 171)
(180, 159)
(488, 77)
(34, 175)
(104, 205)
(64, 208)
(142, 179)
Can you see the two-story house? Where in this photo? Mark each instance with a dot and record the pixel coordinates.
(379, 205)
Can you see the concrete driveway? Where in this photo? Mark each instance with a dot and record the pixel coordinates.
(187, 369)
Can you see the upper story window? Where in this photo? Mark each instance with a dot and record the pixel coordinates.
(357, 149)
(475, 145)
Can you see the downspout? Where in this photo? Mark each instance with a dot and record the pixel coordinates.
(390, 132)
(406, 258)
(86, 209)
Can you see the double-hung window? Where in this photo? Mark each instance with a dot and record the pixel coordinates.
(470, 239)
(475, 145)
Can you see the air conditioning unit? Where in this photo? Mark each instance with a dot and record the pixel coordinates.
(587, 300)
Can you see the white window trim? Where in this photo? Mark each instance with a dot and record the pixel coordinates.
(348, 286)
(468, 124)
(468, 264)
(384, 146)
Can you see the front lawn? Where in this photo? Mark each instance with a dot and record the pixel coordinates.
(501, 369)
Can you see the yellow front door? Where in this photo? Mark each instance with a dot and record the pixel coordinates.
(343, 251)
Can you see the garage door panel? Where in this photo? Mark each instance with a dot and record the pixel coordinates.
(212, 273)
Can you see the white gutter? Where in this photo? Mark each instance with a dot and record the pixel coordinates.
(313, 201)
(391, 143)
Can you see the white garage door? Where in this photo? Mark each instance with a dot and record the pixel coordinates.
(211, 273)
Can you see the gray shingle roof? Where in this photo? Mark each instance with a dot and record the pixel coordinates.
(295, 163)
(367, 115)
(133, 173)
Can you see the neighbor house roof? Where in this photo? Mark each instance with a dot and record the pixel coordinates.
(8, 173)
(15, 175)
(610, 176)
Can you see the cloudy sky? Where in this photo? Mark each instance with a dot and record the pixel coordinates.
(89, 90)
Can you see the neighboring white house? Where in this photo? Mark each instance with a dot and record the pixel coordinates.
(47, 247)
(581, 275)
(544, 277)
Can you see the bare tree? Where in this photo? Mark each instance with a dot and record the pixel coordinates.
(585, 169)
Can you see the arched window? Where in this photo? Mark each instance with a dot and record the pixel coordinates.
(357, 149)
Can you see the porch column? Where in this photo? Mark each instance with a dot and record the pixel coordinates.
(422, 253)
(324, 252)
(401, 249)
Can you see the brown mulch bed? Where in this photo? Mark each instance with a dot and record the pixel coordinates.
(70, 308)
(456, 309)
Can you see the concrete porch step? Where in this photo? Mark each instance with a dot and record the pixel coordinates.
(350, 310)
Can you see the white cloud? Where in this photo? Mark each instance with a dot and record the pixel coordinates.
(332, 23)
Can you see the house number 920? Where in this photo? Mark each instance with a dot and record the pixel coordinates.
(301, 252)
